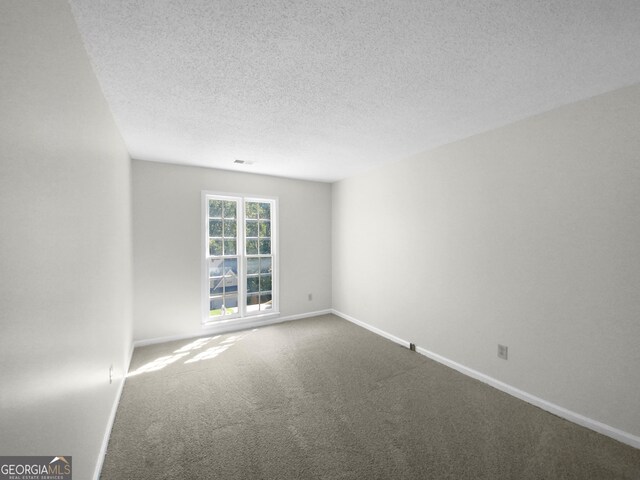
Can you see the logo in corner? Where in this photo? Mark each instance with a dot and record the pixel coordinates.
(35, 468)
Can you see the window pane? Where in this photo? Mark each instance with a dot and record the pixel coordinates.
(252, 247)
(265, 211)
(215, 228)
(265, 228)
(230, 284)
(265, 247)
(265, 265)
(265, 301)
(251, 210)
(229, 209)
(253, 303)
(230, 228)
(265, 283)
(215, 267)
(253, 266)
(229, 247)
(252, 228)
(216, 286)
(231, 304)
(215, 306)
(231, 266)
(215, 208)
(253, 285)
(215, 247)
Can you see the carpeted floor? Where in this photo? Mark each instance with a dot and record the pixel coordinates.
(324, 399)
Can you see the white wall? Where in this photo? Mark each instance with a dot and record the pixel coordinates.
(167, 243)
(65, 241)
(529, 236)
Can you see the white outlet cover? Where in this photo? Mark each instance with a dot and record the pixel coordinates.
(503, 352)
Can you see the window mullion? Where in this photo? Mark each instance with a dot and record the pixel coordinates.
(242, 259)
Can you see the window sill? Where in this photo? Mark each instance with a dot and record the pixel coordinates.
(241, 322)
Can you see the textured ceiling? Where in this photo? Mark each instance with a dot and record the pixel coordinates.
(326, 89)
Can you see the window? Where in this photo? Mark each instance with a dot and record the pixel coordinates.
(239, 278)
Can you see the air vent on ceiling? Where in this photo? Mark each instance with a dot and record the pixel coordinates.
(242, 162)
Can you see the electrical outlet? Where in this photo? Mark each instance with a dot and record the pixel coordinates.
(503, 351)
(310, 296)
(111, 373)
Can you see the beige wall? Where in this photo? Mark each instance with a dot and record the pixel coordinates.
(167, 243)
(528, 236)
(65, 241)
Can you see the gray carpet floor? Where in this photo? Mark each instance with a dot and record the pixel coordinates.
(324, 399)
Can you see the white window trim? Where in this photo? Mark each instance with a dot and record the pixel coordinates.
(242, 316)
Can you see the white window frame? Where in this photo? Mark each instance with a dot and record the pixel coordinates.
(242, 314)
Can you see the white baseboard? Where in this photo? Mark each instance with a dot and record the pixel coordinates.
(231, 326)
(371, 328)
(112, 418)
(299, 316)
(609, 431)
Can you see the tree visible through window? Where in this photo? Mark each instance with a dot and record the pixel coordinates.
(239, 257)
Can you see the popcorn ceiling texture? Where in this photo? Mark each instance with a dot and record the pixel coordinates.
(325, 90)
